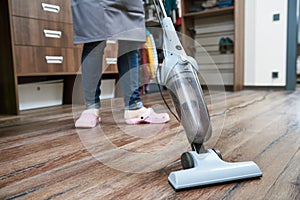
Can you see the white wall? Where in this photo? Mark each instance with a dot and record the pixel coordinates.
(265, 42)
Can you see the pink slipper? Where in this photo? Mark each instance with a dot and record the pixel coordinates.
(148, 116)
(88, 119)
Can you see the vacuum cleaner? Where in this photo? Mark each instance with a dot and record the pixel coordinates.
(179, 74)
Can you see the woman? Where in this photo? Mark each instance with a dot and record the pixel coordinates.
(96, 21)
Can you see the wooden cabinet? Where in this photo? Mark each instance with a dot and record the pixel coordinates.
(43, 61)
(49, 10)
(37, 45)
(42, 38)
(196, 25)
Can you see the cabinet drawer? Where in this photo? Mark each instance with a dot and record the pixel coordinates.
(42, 33)
(54, 10)
(46, 60)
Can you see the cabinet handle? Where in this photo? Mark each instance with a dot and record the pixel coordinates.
(111, 61)
(54, 59)
(111, 41)
(50, 8)
(52, 34)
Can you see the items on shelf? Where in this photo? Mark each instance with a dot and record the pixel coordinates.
(148, 61)
(196, 6)
(224, 3)
(226, 45)
(151, 52)
(202, 5)
(172, 7)
(214, 49)
(205, 28)
(209, 4)
(151, 17)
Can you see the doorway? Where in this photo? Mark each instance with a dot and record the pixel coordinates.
(298, 45)
(293, 41)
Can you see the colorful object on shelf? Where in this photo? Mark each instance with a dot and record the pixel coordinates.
(151, 52)
(144, 62)
(149, 61)
(148, 47)
(209, 4)
(225, 3)
(226, 45)
(170, 6)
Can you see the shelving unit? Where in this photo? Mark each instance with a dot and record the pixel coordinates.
(210, 12)
(231, 69)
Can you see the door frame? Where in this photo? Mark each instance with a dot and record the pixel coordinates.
(292, 42)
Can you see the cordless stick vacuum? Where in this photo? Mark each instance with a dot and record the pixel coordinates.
(179, 74)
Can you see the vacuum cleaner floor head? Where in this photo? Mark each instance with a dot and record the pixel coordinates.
(208, 168)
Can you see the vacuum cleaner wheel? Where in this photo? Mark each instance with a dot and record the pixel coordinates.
(187, 160)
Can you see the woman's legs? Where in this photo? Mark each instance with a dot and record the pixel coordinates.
(128, 72)
(91, 64)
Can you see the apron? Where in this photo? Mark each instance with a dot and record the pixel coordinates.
(98, 20)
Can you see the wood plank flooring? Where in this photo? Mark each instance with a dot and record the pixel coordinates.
(43, 156)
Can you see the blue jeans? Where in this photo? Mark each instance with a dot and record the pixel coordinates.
(91, 62)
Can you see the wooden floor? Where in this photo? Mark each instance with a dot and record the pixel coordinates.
(42, 155)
